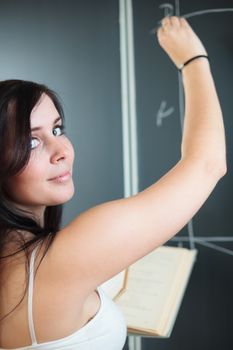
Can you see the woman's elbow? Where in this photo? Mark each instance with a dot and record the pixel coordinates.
(223, 169)
(217, 168)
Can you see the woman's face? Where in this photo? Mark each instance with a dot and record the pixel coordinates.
(47, 178)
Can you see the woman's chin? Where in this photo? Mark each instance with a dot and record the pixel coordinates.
(62, 198)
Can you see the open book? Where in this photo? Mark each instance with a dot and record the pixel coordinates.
(150, 291)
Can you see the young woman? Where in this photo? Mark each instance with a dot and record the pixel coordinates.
(64, 308)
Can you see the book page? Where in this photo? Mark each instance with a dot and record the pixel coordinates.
(177, 292)
(151, 284)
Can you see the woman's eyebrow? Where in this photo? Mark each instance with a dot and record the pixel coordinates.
(39, 127)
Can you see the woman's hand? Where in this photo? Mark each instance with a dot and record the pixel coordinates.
(178, 40)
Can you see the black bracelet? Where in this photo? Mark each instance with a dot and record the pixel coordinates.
(190, 60)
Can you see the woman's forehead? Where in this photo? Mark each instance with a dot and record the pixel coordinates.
(43, 111)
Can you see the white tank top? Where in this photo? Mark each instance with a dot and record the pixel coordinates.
(105, 331)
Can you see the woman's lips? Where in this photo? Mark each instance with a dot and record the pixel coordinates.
(62, 178)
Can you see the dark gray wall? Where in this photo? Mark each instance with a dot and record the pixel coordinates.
(73, 47)
(205, 318)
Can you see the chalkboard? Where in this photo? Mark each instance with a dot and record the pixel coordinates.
(205, 317)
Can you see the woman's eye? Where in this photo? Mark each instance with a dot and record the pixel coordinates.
(34, 143)
(58, 130)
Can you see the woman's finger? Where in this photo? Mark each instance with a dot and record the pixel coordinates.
(166, 21)
(183, 21)
(175, 21)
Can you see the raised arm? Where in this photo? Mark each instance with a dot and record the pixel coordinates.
(203, 134)
(106, 239)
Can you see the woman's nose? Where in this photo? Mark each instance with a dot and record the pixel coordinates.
(58, 152)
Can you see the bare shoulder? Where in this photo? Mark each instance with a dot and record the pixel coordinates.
(106, 239)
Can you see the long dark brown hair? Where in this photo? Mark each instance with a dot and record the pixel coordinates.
(17, 99)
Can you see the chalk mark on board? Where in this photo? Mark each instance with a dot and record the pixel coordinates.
(163, 113)
(203, 12)
(177, 7)
(168, 11)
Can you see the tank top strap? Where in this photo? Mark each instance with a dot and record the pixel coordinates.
(30, 296)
